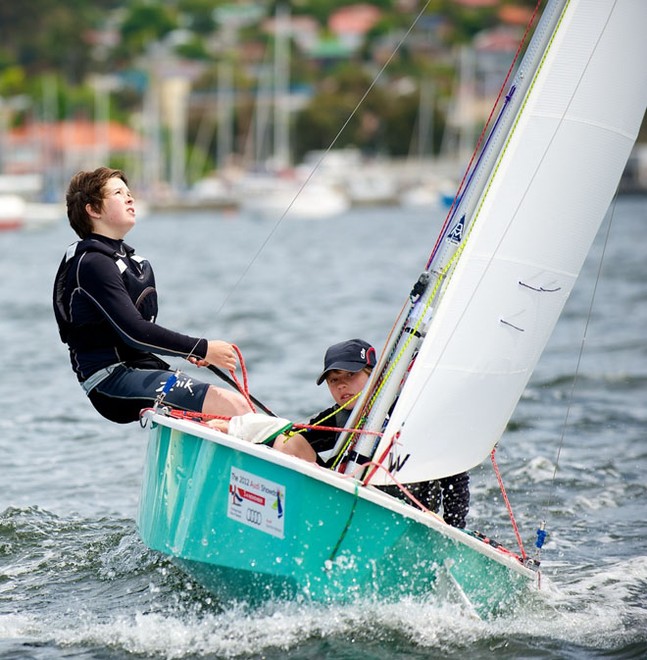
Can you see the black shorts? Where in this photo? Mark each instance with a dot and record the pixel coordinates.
(127, 391)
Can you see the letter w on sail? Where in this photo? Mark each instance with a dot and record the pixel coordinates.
(396, 463)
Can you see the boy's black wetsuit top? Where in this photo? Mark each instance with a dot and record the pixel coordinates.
(453, 492)
(105, 304)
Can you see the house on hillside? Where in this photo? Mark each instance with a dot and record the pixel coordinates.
(344, 36)
(350, 24)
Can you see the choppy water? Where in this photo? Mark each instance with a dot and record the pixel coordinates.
(75, 580)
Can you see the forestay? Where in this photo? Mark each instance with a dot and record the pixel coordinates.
(534, 224)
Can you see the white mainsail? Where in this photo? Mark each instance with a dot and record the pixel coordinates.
(537, 217)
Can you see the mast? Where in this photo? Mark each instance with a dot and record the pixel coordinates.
(282, 87)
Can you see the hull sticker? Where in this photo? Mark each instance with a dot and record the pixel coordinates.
(256, 502)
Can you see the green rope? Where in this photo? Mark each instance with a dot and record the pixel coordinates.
(342, 536)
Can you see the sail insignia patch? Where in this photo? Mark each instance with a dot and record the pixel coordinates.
(455, 235)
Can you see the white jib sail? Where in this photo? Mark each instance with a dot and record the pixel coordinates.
(534, 226)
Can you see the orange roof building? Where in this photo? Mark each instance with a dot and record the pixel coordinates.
(33, 147)
(354, 20)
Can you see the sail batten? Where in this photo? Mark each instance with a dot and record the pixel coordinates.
(533, 226)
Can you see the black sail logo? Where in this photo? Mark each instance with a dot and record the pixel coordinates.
(456, 233)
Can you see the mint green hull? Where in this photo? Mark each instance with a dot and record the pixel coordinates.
(249, 523)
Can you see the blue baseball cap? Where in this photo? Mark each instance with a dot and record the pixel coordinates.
(351, 355)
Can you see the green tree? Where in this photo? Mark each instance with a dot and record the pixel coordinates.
(49, 35)
(145, 23)
(199, 15)
(336, 114)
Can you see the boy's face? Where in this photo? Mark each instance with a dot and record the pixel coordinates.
(344, 385)
(117, 215)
